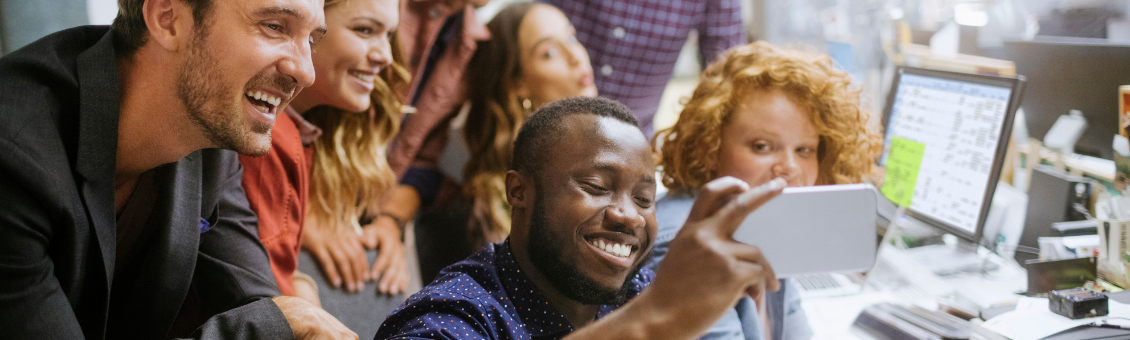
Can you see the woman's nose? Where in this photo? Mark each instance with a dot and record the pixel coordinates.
(380, 53)
(572, 55)
(786, 165)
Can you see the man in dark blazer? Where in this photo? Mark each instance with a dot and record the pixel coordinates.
(121, 216)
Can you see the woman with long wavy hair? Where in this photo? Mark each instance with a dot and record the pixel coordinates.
(761, 113)
(354, 103)
(322, 191)
(532, 58)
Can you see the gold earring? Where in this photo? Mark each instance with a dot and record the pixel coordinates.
(527, 104)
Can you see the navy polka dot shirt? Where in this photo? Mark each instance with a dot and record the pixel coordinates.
(485, 296)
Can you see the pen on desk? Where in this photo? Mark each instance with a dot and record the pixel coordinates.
(1104, 324)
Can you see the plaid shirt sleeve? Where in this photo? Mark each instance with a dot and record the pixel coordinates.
(633, 44)
(721, 29)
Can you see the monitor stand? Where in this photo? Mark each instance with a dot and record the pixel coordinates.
(956, 256)
(950, 259)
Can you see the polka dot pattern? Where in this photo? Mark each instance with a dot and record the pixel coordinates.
(485, 296)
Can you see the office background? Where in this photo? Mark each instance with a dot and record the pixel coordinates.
(856, 33)
(850, 30)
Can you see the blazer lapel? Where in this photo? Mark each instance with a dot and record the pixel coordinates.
(167, 263)
(98, 143)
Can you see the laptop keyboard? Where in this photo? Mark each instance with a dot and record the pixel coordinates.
(812, 282)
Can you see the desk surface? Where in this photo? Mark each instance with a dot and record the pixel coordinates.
(832, 317)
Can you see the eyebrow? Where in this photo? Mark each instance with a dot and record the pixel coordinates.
(538, 43)
(374, 21)
(283, 10)
(605, 167)
(609, 167)
(759, 130)
(546, 38)
(276, 10)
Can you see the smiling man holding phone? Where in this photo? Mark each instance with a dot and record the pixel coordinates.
(583, 226)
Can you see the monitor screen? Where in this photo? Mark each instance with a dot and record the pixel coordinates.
(942, 142)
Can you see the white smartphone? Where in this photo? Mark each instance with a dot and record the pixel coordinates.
(818, 229)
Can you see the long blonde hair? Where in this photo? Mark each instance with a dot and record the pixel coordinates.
(847, 147)
(492, 124)
(350, 172)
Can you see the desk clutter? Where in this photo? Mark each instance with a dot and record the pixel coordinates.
(929, 287)
(886, 320)
(1044, 255)
(900, 299)
(1078, 303)
(1033, 318)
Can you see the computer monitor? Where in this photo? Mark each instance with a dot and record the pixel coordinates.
(946, 137)
(1072, 73)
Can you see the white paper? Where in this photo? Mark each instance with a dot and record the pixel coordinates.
(831, 317)
(1052, 248)
(1081, 241)
(1121, 145)
(945, 42)
(1032, 320)
(1084, 245)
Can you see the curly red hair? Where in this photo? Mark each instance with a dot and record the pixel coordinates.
(847, 148)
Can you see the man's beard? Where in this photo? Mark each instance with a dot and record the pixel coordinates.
(202, 90)
(546, 257)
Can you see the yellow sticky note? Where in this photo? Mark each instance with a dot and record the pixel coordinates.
(903, 162)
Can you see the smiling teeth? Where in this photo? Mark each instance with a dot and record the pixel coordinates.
(614, 249)
(368, 78)
(257, 95)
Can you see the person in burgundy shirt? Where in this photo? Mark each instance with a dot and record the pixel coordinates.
(439, 37)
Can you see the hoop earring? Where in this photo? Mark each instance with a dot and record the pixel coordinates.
(527, 104)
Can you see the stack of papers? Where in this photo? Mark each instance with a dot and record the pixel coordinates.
(1032, 320)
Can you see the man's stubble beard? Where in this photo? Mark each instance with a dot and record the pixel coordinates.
(545, 254)
(202, 90)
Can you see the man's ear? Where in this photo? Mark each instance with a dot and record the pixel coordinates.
(517, 190)
(169, 22)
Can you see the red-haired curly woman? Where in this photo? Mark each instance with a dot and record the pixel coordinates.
(760, 113)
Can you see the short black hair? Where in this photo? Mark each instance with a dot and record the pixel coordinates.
(545, 127)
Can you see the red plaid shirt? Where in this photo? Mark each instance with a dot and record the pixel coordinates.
(633, 44)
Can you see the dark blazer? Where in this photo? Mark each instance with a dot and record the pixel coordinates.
(58, 139)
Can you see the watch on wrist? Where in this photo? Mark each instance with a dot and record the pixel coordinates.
(300, 276)
(400, 222)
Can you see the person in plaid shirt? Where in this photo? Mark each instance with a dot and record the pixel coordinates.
(633, 44)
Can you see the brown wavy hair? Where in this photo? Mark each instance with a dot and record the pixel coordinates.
(351, 173)
(847, 147)
(492, 124)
